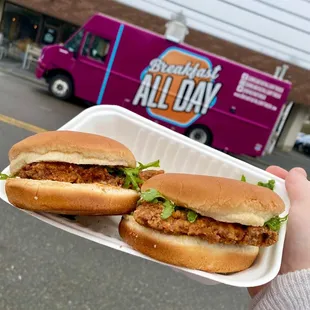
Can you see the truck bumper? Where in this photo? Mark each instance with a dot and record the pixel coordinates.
(40, 70)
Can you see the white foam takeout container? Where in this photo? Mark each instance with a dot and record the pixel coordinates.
(177, 153)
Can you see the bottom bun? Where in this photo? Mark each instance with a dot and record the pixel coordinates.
(186, 251)
(67, 198)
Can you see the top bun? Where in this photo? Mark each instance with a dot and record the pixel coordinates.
(70, 147)
(222, 199)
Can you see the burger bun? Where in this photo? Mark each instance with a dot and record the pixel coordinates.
(70, 147)
(71, 199)
(223, 199)
(186, 251)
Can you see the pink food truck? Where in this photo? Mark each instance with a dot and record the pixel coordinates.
(208, 98)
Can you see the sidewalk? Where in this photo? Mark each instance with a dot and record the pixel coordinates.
(14, 67)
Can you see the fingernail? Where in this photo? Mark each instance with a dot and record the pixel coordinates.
(301, 171)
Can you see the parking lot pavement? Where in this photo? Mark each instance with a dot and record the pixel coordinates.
(286, 160)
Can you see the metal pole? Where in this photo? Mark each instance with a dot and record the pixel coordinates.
(284, 70)
(277, 71)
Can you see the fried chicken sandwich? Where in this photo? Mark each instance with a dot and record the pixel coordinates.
(212, 224)
(75, 173)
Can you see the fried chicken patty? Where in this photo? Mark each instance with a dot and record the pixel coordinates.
(72, 173)
(149, 215)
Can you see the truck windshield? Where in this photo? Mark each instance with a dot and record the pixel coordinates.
(74, 43)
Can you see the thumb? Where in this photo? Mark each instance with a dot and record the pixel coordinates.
(297, 185)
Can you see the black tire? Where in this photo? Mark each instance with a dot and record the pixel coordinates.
(61, 86)
(200, 134)
(300, 148)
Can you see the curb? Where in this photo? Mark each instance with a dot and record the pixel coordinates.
(21, 76)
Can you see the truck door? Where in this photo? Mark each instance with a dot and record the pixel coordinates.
(90, 67)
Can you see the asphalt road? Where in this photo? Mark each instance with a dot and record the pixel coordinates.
(42, 267)
(282, 159)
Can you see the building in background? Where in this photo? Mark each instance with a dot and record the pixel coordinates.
(260, 34)
(22, 25)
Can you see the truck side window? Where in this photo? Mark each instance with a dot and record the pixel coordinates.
(74, 43)
(96, 48)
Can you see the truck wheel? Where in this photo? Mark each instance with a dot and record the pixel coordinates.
(200, 134)
(61, 87)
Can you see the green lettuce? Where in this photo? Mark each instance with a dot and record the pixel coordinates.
(270, 184)
(151, 194)
(169, 208)
(191, 216)
(132, 174)
(275, 222)
(154, 196)
(4, 176)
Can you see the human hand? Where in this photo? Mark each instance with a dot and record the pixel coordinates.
(296, 253)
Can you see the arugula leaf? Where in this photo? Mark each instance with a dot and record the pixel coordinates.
(191, 216)
(168, 209)
(132, 178)
(275, 222)
(243, 179)
(149, 165)
(4, 176)
(132, 174)
(270, 184)
(151, 194)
